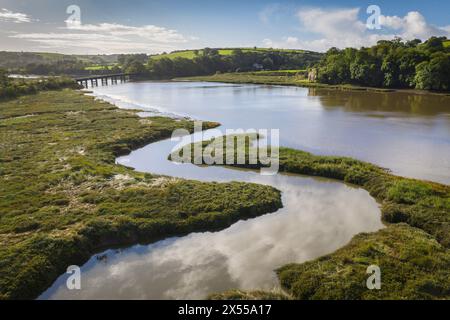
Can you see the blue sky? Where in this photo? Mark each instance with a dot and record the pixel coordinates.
(153, 26)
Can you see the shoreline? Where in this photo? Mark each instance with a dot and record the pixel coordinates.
(417, 220)
(240, 79)
(89, 203)
(128, 232)
(395, 226)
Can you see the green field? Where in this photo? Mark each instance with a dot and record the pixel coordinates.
(100, 67)
(278, 73)
(446, 44)
(52, 57)
(190, 54)
(278, 77)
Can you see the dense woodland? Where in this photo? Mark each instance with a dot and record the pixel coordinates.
(390, 64)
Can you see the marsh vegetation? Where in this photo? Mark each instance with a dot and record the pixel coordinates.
(12, 88)
(63, 198)
(413, 251)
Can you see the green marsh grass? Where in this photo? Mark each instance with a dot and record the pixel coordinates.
(413, 251)
(63, 198)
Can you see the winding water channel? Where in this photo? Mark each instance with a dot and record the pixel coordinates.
(409, 134)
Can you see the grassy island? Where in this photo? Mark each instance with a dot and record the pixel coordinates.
(63, 198)
(413, 251)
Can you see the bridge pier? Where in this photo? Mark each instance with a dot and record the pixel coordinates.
(94, 80)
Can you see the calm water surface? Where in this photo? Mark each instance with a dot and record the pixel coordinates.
(407, 133)
(319, 215)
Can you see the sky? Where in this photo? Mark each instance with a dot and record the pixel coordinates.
(155, 26)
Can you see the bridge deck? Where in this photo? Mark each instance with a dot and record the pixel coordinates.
(104, 76)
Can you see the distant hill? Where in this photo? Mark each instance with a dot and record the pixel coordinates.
(190, 54)
(15, 60)
(212, 61)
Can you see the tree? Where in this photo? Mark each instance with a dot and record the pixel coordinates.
(183, 67)
(390, 69)
(434, 44)
(135, 67)
(434, 74)
(125, 59)
(407, 63)
(335, 68)
(365, 70)
(4, 80)
(268, 63)
(413, 43)
(390, 63)
(208, 52)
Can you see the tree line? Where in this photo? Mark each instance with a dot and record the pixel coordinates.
(209, 61)
(48, 64)
(12, 88)
(390, 64)
(56, 68)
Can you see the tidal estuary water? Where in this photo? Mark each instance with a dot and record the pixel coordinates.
(407, 133)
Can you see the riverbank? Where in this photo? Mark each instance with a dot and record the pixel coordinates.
(262, 78)
(412, 251)
(12, 88)
(64, 198)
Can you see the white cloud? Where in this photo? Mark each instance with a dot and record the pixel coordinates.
(331, 23)
(291, 40)
(342, 28)
(286, 42)
(99, 46)
(413, 25)
(268, 43)
(149, 32)
(16, 17)
(109, 38)
(65, 36)
(323, 44)
(392, 22)
(267, 13)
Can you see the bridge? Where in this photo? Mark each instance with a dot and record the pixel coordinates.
(104, 79)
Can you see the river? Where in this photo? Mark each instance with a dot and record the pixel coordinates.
(407, 133)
